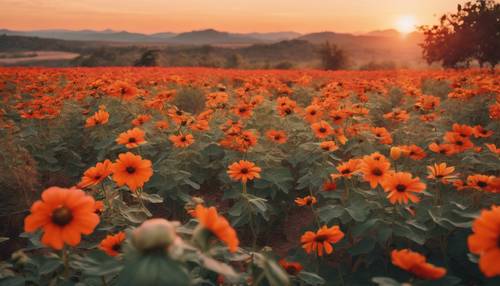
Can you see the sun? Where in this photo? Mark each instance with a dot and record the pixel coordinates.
(405, 24)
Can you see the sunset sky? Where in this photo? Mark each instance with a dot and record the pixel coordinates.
(149, 16)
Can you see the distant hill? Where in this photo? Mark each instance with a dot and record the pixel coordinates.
(274, 36)
(384, 33)
(211, 37)
(91, 35)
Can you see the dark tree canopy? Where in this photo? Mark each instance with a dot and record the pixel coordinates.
(332, 57)
(472, 33)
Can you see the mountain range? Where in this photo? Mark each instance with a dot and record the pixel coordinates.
(206, 37)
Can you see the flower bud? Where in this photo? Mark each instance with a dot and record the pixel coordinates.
(154, 234)
(396, 153)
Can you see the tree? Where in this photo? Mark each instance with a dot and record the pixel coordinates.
(332, 57)
(148, 59)
(472, 33)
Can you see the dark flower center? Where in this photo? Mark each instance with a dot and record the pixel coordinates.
(337, 117)
(62, 216)
(244, 171)
(131, 140)
(130, 170)
(183, 139)
(288, 111)
(242, 110)
(322, 130)
(400, 188)
(442, 151)
(346, 171)
(291, 269)
(97, 177)
(482, 184)
(117, 247)
(460, 143)
(377, 172)
(178, 112)
(313, 112)
(321, 238)
(277, 137)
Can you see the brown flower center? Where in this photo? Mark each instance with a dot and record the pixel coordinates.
(377, 172)
(321, 238)
(345, 171)
(130, 170)
(131, 140)
(62, 216)
(244, 171)
(482, 184)
(183, 139)
(117, 247)
(322, 130)
(400, 188)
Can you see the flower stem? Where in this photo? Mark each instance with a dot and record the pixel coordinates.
(65, 258)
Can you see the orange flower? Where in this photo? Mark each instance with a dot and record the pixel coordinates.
(374, 171)
(313, 113)
(483, 183)
(218, 226)
(416, 264)
(493, 148)
(243, 171)
(181, 141)
(161, 124)
(306, 201)
(329, 186)
(243, 110)
(459, 143)
(382, 135)
(112, 244)
(413, 151)
(141, 119)
(99, 118)
(131, 138)
(292, 268)
(64, 215)
(401, 188)
(479, 131)
(321, 129)
(277, 136)
(441, 172)
(95, 175)
(347, 169)
(445, 149)
(131, 170)
(321, 240)
(329, 146)
(485, 241)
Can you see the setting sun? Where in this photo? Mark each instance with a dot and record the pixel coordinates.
(406, 24)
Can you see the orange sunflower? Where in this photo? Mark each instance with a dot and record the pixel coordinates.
(112, 244)
(321, 129)
(181, 141)
(416, 264)
(95, 175)
(277, 136)
(374, 171)
(292, 268)
(441, 172)
(217, 225)
(485, 241)
(64, 215)
(306, 201)
(329, 146)
(347, 169)
(131, 138)
(131, 170)
(243, 171)
(99, 118)
(402, 187)
(322, 240)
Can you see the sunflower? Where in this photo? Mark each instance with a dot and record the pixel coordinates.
(161, 124)
(416, 264)
(483, 183)
(459, 143)
(112, 244)
(401, 187)
(306, 201)
(243, 171)
(99, 118)
(141, 119)
(292, 268)
(374, 171)
(313, 113)
(485, 241)
(445, 149)
(95, 175)
(413, 152)
(131, 138)
(382, 135)
(329, 146)
(64, 215)
(322, 239)
(217, 225)
(181, 141)
(243, 110)
(493, 148)
(321, 129)
(347, 169)
(131, 170)
(441, 172)
(277, 136)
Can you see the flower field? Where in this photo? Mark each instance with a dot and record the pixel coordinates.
(195, 176)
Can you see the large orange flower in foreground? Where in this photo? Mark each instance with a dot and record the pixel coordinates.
(374, 171)
(131, 170)
(64, 215)
(485, 241)
(243, 171)
(402, 188)
(416, 264)
(321, 240)
(217, 225)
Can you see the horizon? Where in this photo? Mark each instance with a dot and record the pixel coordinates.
(248, 17)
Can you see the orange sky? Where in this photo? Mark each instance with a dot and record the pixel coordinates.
(148, 16)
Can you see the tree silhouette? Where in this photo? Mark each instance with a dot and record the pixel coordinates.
(472, 33)
(332, 57)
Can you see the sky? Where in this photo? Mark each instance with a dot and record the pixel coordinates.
(150, 16)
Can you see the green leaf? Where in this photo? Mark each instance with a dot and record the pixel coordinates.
(364, 246)
(310, 278)
(328, 213)
(385, 281)
(50, 266)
